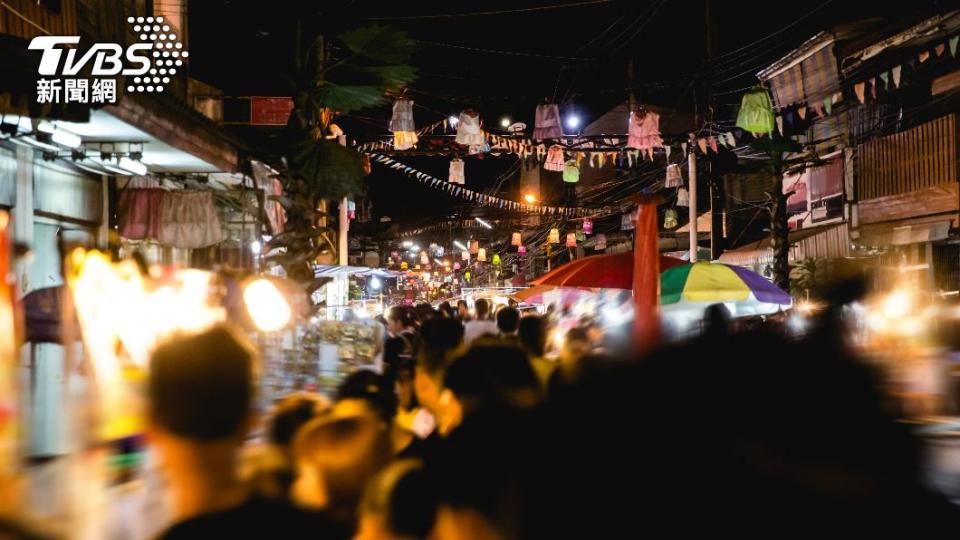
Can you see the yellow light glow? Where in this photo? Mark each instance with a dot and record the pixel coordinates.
(266, 305)
(912, 326)
(896, 305)
(877, 322)
(530, 198)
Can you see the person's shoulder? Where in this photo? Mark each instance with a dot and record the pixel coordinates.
(256, 517)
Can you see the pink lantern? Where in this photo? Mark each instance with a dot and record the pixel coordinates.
(456, 266)
(521, 251)
(587, 226)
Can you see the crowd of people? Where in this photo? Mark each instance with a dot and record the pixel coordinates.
(473, 431)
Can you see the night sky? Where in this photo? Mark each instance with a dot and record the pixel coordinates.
(503, 64)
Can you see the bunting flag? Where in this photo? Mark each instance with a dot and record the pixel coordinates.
(667, 150)
(472, 195)
(836, 98)
(873, 87)
(923, 56)
(896, 77)
(940, 48)
(885, 78)
(731, 140)
(780, 124)
(953, 45)
(702, 143)
(802, 112)
(818, 109)
(859, 88)
(712, 141)
(684, 147)
(827, 105)
(630, 159)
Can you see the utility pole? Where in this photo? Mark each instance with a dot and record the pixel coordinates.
(716, 184)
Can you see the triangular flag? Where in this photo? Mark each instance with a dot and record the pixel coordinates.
(667, 150)
(953, 45)
(859, 90)
(712, 141)
(630, 159)
(923, 56)
(802, 112)
(780, 124)
(702, 143)
(940, 48)
(873, 87)
(818, 108)
(896, 76)
(684, 147)
(827, 104)
(731, 140)
(885, 78)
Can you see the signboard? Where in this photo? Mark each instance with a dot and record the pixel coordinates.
(270, 111)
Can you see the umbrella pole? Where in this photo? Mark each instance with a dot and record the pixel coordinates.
(646, 277)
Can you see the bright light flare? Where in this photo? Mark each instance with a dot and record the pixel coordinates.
(267, 306)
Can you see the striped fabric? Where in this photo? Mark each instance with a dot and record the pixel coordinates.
(812, 79)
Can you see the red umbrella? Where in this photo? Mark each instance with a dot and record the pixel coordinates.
(613, 271)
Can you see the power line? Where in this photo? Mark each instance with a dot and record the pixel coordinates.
(487, 13)
(502, 52)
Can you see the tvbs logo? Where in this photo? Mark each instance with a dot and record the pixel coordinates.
(147, 64)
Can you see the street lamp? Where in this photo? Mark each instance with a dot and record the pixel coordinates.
(505, 122)
(530, 198)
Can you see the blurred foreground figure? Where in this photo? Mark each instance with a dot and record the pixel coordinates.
(398, 504)
(200, 397)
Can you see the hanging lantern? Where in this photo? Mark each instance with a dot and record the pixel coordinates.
(351, 210)
(456, 174)
(456, 266)
(571, 173)
(553, 237)
(674, 177)
(367, 165)
(466, 276)
(756, 112)
(571, 239)
(496, 259)
(587, 226)
(465, 256)
(517, 239)
(404, 265)
(626, 222)
(581, 236)
(683, 197)
(521, 251)
(482, 255)
(424, 259)
(600, 243)
(670, 219)
(439, 252)
(474, 246)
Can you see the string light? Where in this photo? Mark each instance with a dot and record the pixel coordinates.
(505, 122)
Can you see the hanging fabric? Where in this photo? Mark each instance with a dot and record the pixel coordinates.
(516, 239)
(456, 266)
(496, 259)
(643, 132)
(896, 72)
(521, 251)
(588, 226)
(554, 160)
(468, 129)
(482, 255)
(626, 222)
(465, 255)
(712, 143)
(456, 175)
(474, 247)
(581, 236)
(351, 210)
(547, 122)
(553, 237)
(953, 45)
(702, 143)
(670, 219)
(827, 105)
(571, 240)
(873, 87)
(401, 124)
(731, 140)
(924, 56)
(139, 212)
(860, 90)
(600, 243)
(189, 220)
(674, 176)
(756, 112)
(571, 173)
(683, 198)
(780, 124)
(424, 259)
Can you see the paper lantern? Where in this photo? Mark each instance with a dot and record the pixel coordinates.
(456, 266)
(466, 276)
(404, 265)
(683, 197)
(674, 176)
(456, 175)
(571, 239)
(496, 259)
(756, 112)
(553, 237)
(571, 173)
(482, 255)
(670, 219)
(588, 226)
(517, 239)
(581, 236)
(424, 259)
(626, 222)
(465, 256)
(439, 252)
(521, 251)
(474, 246)
(600, 243)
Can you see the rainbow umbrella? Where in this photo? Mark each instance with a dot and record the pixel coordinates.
(693, 287)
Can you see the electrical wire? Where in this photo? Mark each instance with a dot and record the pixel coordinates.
(489, 13)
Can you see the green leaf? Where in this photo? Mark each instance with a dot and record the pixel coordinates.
(381, 43)
(347, 98)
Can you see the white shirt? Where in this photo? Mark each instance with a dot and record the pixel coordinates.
(474, 329)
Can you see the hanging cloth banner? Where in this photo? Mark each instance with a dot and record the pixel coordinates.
(802, 112)
(885, 79)
(712, 141)
(818, 109)
(684, 147)
(939, 49)
(702, 143)
(731, 140)
(923, 56)
(667, 149)
(896, 77)
(953, 45)
(827, 105)
(780, 124)
(860, 88)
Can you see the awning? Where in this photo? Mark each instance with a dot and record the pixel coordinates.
(903, 233)
(704, 224)
(761, 251)
(331, 270)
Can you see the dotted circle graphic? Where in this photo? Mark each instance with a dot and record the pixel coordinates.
(167, 51)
